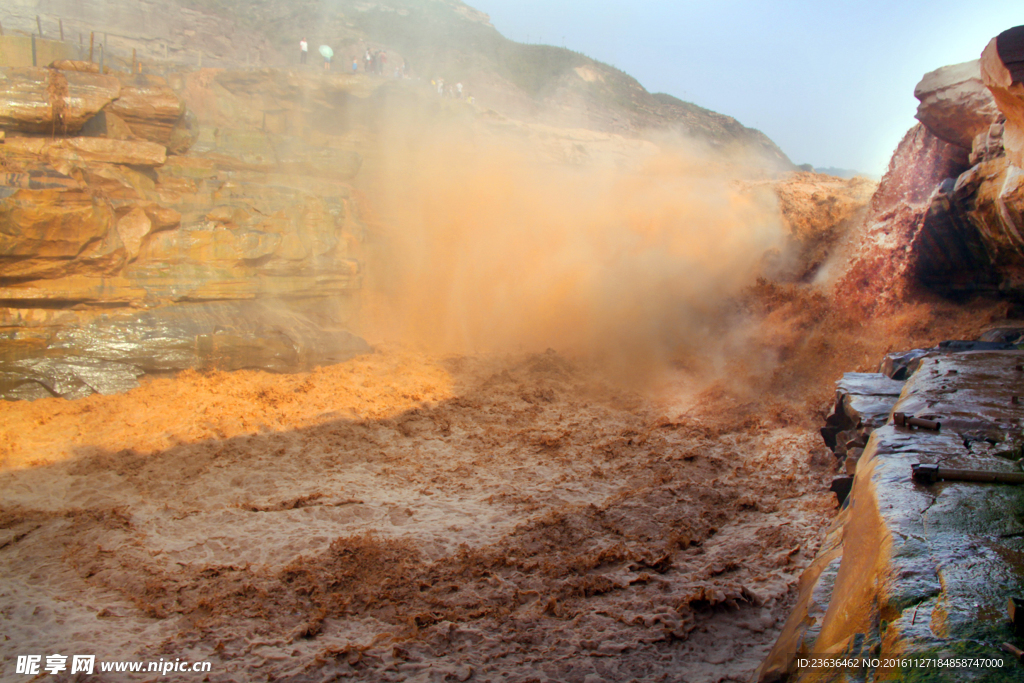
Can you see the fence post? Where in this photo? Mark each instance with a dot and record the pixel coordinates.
(60, 22)
(33, 49)
(133, 60)
(92, 39)
(102, 52)
(39, 25)
(1, 28)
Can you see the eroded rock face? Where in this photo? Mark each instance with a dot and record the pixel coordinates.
(898, 573)
(880, 269)
(955, 104)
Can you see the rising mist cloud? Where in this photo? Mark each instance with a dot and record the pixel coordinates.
(493, 242)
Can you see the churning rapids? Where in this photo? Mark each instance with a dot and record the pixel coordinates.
(403, 516)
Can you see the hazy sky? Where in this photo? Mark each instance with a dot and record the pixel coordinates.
(831, 82)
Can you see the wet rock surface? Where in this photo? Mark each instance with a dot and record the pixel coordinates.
(899, 572)
(108, 355)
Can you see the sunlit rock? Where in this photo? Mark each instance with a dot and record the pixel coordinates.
(955, 105)
(107, 355)
(1002, 67)
(77, 288)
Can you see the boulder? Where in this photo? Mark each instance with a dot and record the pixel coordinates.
(955, 104)
(38, 100)
(1002, 69)
(996, 210)
(149, 107)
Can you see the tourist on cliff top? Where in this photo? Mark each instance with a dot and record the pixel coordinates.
(383, 62)
(367, 61)
(355, 65)
(328, 54)
(303, 51)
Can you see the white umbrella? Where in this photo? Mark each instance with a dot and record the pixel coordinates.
(327, 52)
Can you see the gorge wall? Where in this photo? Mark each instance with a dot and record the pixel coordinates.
(141, 239)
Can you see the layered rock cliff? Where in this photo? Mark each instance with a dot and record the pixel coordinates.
(143, 239)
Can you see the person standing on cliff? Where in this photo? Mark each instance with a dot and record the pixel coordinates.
(303, 51)
(367, 61)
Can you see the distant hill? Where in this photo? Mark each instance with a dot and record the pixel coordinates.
(444, 39)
